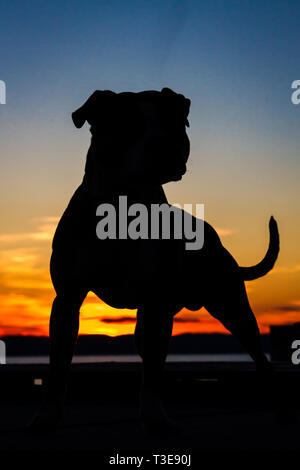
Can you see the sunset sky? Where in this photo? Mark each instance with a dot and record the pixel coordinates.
(235, 60)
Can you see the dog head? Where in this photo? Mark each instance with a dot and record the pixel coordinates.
(141, 134)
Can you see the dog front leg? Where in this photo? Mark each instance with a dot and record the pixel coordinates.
(152, 336)
(64, 324)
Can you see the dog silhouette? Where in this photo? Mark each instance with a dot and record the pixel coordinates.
(139, 142)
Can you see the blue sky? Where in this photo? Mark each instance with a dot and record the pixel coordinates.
(236, 61)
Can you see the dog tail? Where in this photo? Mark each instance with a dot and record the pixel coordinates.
(266, 264)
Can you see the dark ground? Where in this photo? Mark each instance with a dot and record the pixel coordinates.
(218, 406)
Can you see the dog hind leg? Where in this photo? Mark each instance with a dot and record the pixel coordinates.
(152, 335)
(233, 310)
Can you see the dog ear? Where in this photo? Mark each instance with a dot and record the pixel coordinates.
(181, 101)
(95, 109)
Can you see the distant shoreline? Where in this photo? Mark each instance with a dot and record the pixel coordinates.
(132, 358)
(95, 345)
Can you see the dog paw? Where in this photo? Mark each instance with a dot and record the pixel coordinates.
(154, 418)
(161, 428)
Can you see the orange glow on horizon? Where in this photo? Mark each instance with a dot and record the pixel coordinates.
(30, 316)
(26, 294)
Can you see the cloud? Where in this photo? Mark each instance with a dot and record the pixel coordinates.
(24, 236)
(28, 284)
(45, 230)
(19, 256)
(6, 330)
(186, 320)
(46, 219)
(224, 232)
(291, 307)
(133, 319)
(118, 320)
(288, 308)
(286, 269)
(21, 314)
